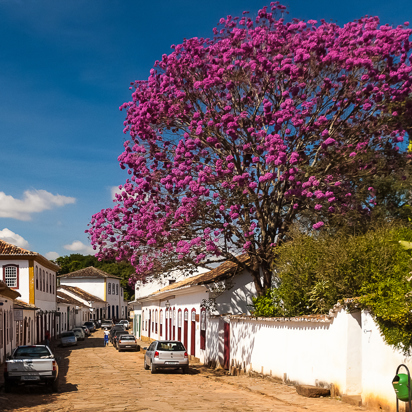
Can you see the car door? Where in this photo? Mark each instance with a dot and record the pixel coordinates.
(150, 352)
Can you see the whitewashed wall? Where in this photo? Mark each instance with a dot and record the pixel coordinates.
(347, 351)
(7, 314)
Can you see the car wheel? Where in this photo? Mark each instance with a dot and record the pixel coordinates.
(146, 366)
(153, 368)
(185, 369)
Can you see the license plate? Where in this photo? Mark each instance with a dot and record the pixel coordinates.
(30, 378)
(171, 363)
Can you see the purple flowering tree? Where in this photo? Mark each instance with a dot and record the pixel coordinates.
(234, 138)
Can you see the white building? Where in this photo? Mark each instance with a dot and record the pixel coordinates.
(179, 310)
(24, 323)
(34, 277)
(102, 285)
(72, 311)
(7, 337)
(95, 306)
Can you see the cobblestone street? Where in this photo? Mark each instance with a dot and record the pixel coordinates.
(95, 378)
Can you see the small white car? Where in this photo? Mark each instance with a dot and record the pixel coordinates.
(79, 333)
(125, 323)
(68, 338)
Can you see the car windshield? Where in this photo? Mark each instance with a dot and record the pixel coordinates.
(170, 346)
(89, 324)
(32, 352)
(67, 334)
(126, 337)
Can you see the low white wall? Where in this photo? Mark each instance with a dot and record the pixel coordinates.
(344, 349)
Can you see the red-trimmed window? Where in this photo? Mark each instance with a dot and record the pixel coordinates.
(11, 276)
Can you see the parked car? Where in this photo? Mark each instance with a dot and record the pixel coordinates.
(127, 342)
(68, 338)
(166, 354)
(116, 335)
(121, 325)
(79, 333)
(86, 330)
(90, 325)
(125, 323)
(107, 323)
(114, 329)
(31, 365)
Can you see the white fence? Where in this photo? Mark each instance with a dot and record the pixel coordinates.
(343, 349)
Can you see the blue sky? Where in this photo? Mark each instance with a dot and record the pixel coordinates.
(66, 67)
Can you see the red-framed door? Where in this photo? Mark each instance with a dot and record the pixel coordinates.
(150, 322)
(193, 332)
(170, 323)
(161, 322)
(179, 325)
(185, 327)
(226, 345)
(174, 324)
(166, 322)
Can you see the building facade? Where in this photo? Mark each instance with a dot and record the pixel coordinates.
(101, 285)
(34, 278)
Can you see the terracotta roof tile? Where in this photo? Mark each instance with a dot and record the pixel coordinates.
(223, 271)
(70, 300)
(89, 272)
(9, 249)
(20, 304)
(80, 293)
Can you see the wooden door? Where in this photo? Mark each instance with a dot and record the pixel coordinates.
(226, 345)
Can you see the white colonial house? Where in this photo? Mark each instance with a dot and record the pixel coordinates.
(34, 277)
(95, 306)
(7, 337)
(179, 310)
(102, 285)
(73, 312)
(24, 322)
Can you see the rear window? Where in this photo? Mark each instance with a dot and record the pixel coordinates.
(32, 352)
(67, 334)
(170, 346)
(119, 332)
(126, 337)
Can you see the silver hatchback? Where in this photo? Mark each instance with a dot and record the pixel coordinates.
(166, 354)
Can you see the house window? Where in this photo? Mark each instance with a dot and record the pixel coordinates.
(117, 289)
(51, 289)
(47, 281)
(37, 277)
(44, 280)
(110, 289)
(11, 276)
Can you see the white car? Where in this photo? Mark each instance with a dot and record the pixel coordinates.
(79, 333)
(125, 323)
(68, 338)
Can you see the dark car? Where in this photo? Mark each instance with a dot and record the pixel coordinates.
(166, 354)
(90, 326)
(114, 329)
(116, 335)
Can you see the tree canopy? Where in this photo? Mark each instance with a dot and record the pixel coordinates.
(234, 138)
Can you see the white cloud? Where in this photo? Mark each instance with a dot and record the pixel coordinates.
(114, 190)
(51, 255)
(34, 201)
(8, 236)
(80, 247)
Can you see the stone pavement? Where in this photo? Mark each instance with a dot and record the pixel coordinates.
(95, 378)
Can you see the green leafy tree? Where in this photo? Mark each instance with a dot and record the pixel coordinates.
(314, 272)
